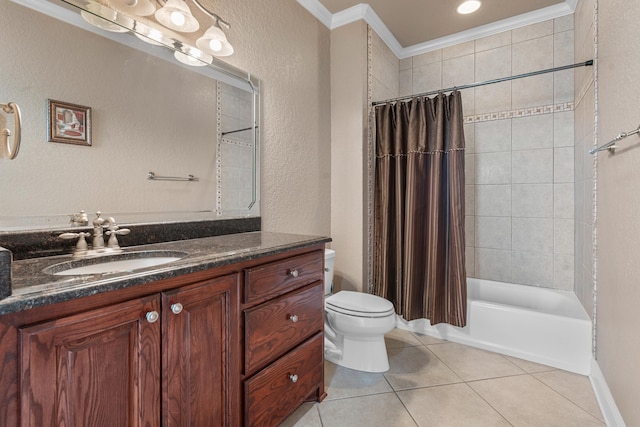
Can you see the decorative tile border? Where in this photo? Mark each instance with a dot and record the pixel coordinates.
(219, 149)
(368, 284)
(524, 112)
(594, 165)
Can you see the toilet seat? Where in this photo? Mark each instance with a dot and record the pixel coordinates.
(359, 304)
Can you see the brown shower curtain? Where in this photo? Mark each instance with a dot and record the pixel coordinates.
(419, 260)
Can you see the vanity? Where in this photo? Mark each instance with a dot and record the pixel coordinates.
(231, 334)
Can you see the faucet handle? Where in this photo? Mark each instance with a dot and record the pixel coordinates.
(81, 246)
(113, 232)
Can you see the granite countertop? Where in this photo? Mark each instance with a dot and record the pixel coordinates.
(31, 287)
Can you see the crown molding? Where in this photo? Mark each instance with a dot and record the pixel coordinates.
(365, 12)
(316, 8)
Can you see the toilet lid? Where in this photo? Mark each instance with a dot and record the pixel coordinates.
(359, 304)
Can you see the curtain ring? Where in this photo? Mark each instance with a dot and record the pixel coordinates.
(12, 152)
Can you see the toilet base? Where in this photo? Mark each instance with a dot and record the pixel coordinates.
(367, 354)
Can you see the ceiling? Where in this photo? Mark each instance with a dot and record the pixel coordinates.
(414, 26)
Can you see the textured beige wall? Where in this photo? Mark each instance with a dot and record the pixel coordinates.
(348, 153)
(618, 205)
(288, 49)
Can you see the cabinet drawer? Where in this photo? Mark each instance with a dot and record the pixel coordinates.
(276, 391)
(282, 276)
(276, 326)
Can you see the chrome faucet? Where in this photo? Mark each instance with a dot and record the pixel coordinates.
(98, 247)
(98, 238)
(113, 232)
(79, 219)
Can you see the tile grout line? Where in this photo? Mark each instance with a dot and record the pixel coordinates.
(472, 389)
(567, 398)
(416, 342)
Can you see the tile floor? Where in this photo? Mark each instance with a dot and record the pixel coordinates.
(439, 383)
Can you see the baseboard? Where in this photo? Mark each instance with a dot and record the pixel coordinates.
(608, 406)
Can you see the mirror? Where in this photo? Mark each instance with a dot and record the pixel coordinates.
(148, 113)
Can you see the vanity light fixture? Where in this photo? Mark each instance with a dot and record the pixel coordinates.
(95, 10)
(135, 7)
(175, 14)
(214, 41)
(468, 6)
(148, 34)
(172, 14)
(193, 59)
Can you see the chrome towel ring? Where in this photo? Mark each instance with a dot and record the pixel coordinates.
(12, 151)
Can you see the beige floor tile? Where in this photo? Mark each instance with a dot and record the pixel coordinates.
(342, 382)
(450, 406)
(413, 367)
(378, 410)
(306, 415)
(401, 338)
(427, 339)
(529, 367)
(474, 364)
(525, 401)
(576, 388)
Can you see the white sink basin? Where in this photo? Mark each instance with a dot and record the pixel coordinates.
(114, 263)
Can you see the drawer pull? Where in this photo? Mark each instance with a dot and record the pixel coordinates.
(294, 273)
(293, 378)
(176, 308)
(152, 316)
(293, 318)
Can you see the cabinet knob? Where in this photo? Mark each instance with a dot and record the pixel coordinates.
(294, 273)
(176, 308)
(152, 316)
(293, 318)
(293, 378)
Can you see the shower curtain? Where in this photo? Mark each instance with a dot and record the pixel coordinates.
(419, 259)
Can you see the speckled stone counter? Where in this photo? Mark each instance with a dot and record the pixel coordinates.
(39, 243)
(33, 288)
(5, 272)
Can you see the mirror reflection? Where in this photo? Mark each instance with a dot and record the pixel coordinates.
(149, 113)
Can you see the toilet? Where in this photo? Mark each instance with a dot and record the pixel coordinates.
(354, 326)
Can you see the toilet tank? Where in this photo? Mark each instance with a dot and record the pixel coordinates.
(329, 260)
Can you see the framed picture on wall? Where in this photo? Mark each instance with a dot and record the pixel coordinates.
(68, 123)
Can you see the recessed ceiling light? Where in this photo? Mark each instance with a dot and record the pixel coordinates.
(469, 6)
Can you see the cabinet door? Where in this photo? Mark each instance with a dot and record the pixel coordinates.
(99, 368)
(201, 381)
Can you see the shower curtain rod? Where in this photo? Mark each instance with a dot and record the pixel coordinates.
(488, 82)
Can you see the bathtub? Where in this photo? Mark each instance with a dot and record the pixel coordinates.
(541, 325)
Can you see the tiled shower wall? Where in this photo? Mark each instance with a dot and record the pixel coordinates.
(584, 162)
(520, 149)
(234, 152)
(383, 76)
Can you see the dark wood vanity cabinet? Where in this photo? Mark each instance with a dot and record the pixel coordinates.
(167, 359)
(95, 368)
(199, 354)
(240, 344)
(283, 337)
